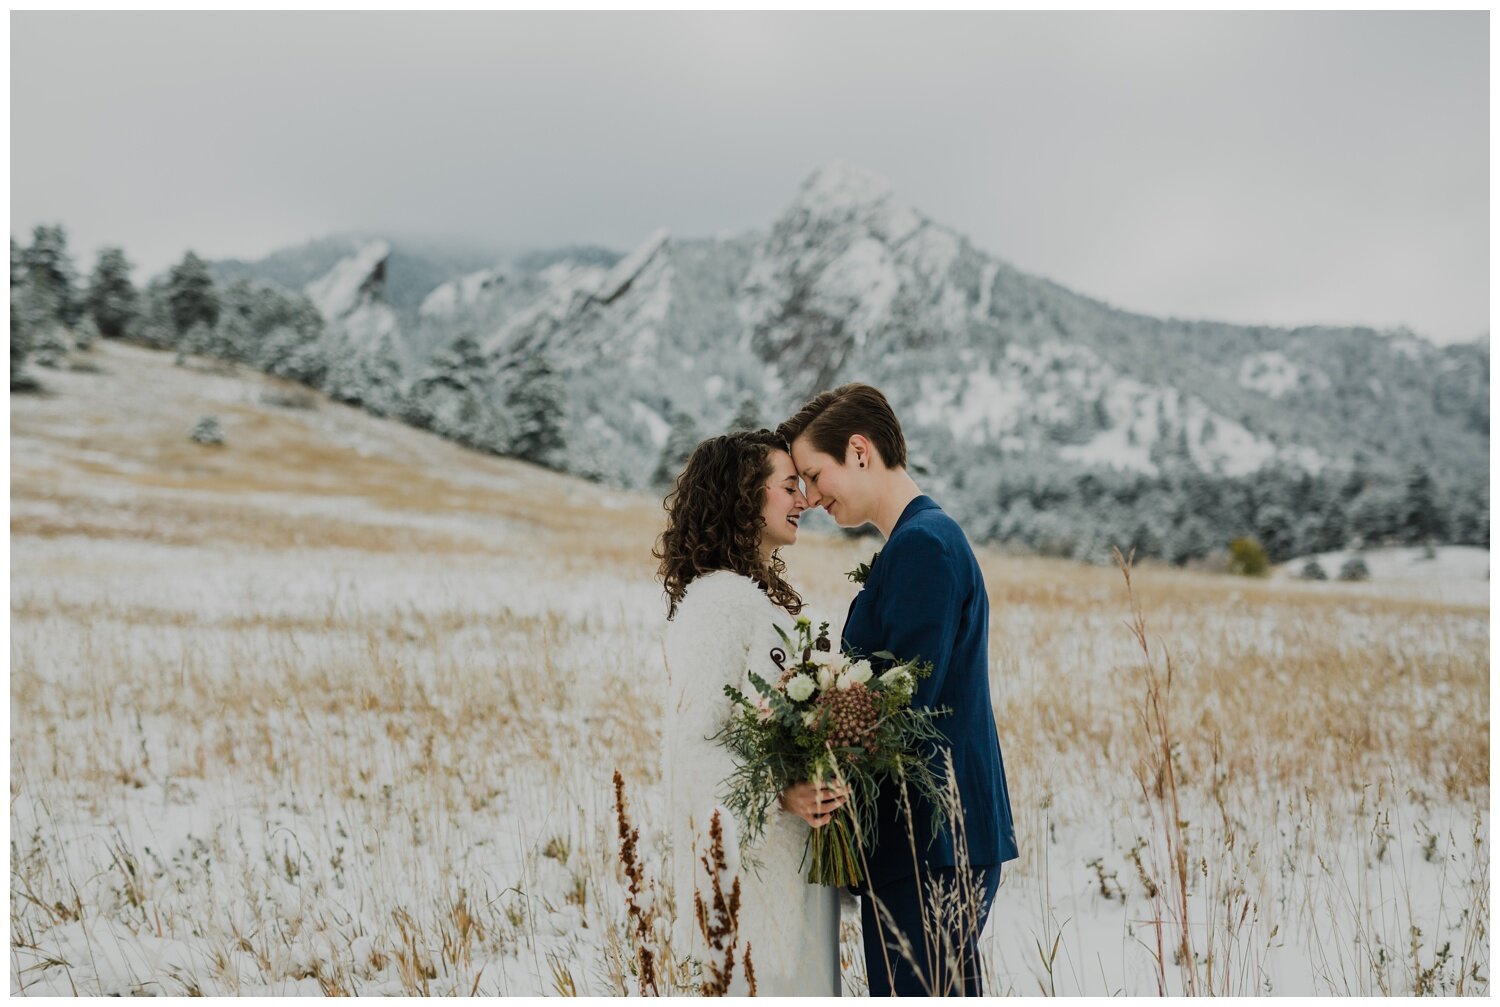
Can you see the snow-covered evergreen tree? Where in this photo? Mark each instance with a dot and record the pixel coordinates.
(192, 295)
(452, 397)
(288, 336)
(154, 325)
(1275, 528)
(111, 298)
(368, 377)
(44, 304)
(50, 276)
(535, 405)
(233, 338)
(1375, 515)
(289, 352)
(1421, 518)
(198, 339)
(20, 344)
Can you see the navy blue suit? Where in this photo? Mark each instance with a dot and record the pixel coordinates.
(925, 600)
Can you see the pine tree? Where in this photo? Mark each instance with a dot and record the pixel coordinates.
(289, 336)
(111, 297)
(1421, 519)
(369, 377)
(20, 342)
(453, 397)
(43, 303)
(191, 294)
(289, 352)
(535, 404)
(232, 340)
(198, 339)
(154, 326)
(49, 275)
(681, 440)
(1374, 515)
(385, 377)
(1276, 530)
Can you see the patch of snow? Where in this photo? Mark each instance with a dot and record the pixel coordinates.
(341, 289)
(462, 292)
(370, 322)
(1112, 447)
(839, 189)
(1453, 573)
(932, 251)
(1307, 458)
(840, 194)
(860, 284)
(975, 406)
(1229, 448)
(626, 270)
(1269, 373)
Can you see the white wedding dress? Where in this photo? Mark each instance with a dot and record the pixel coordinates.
(724, 628)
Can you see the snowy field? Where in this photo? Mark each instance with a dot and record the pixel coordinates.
(1454, 573)
(336, 707)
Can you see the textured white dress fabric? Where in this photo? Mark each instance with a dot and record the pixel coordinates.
(724, 627)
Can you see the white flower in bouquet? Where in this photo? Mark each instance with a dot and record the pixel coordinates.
(810, 718)
(822, 659)
(897, 676)
(825, 678)
(860, 671)
(800, 687)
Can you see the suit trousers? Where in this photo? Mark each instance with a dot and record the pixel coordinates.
(956, 914)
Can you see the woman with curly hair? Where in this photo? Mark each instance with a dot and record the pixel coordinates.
(738, 502)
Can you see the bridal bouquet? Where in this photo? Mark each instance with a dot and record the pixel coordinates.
(829, 719)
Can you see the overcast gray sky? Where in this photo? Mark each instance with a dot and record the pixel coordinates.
(1259, 168)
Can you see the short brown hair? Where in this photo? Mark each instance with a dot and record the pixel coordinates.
(829, 419)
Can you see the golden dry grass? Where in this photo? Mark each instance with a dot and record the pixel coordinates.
(370, 689)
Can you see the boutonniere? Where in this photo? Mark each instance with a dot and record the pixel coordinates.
(861, 573)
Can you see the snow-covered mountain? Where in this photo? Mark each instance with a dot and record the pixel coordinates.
(993, 371)
(351, 296)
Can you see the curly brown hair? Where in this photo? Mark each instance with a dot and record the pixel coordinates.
(714, 518)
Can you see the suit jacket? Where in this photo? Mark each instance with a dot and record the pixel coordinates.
(925, 600)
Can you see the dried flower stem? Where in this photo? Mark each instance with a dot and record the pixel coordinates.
(642, 916)
(722, 932)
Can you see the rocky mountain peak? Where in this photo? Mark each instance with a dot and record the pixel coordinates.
(358, 279)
